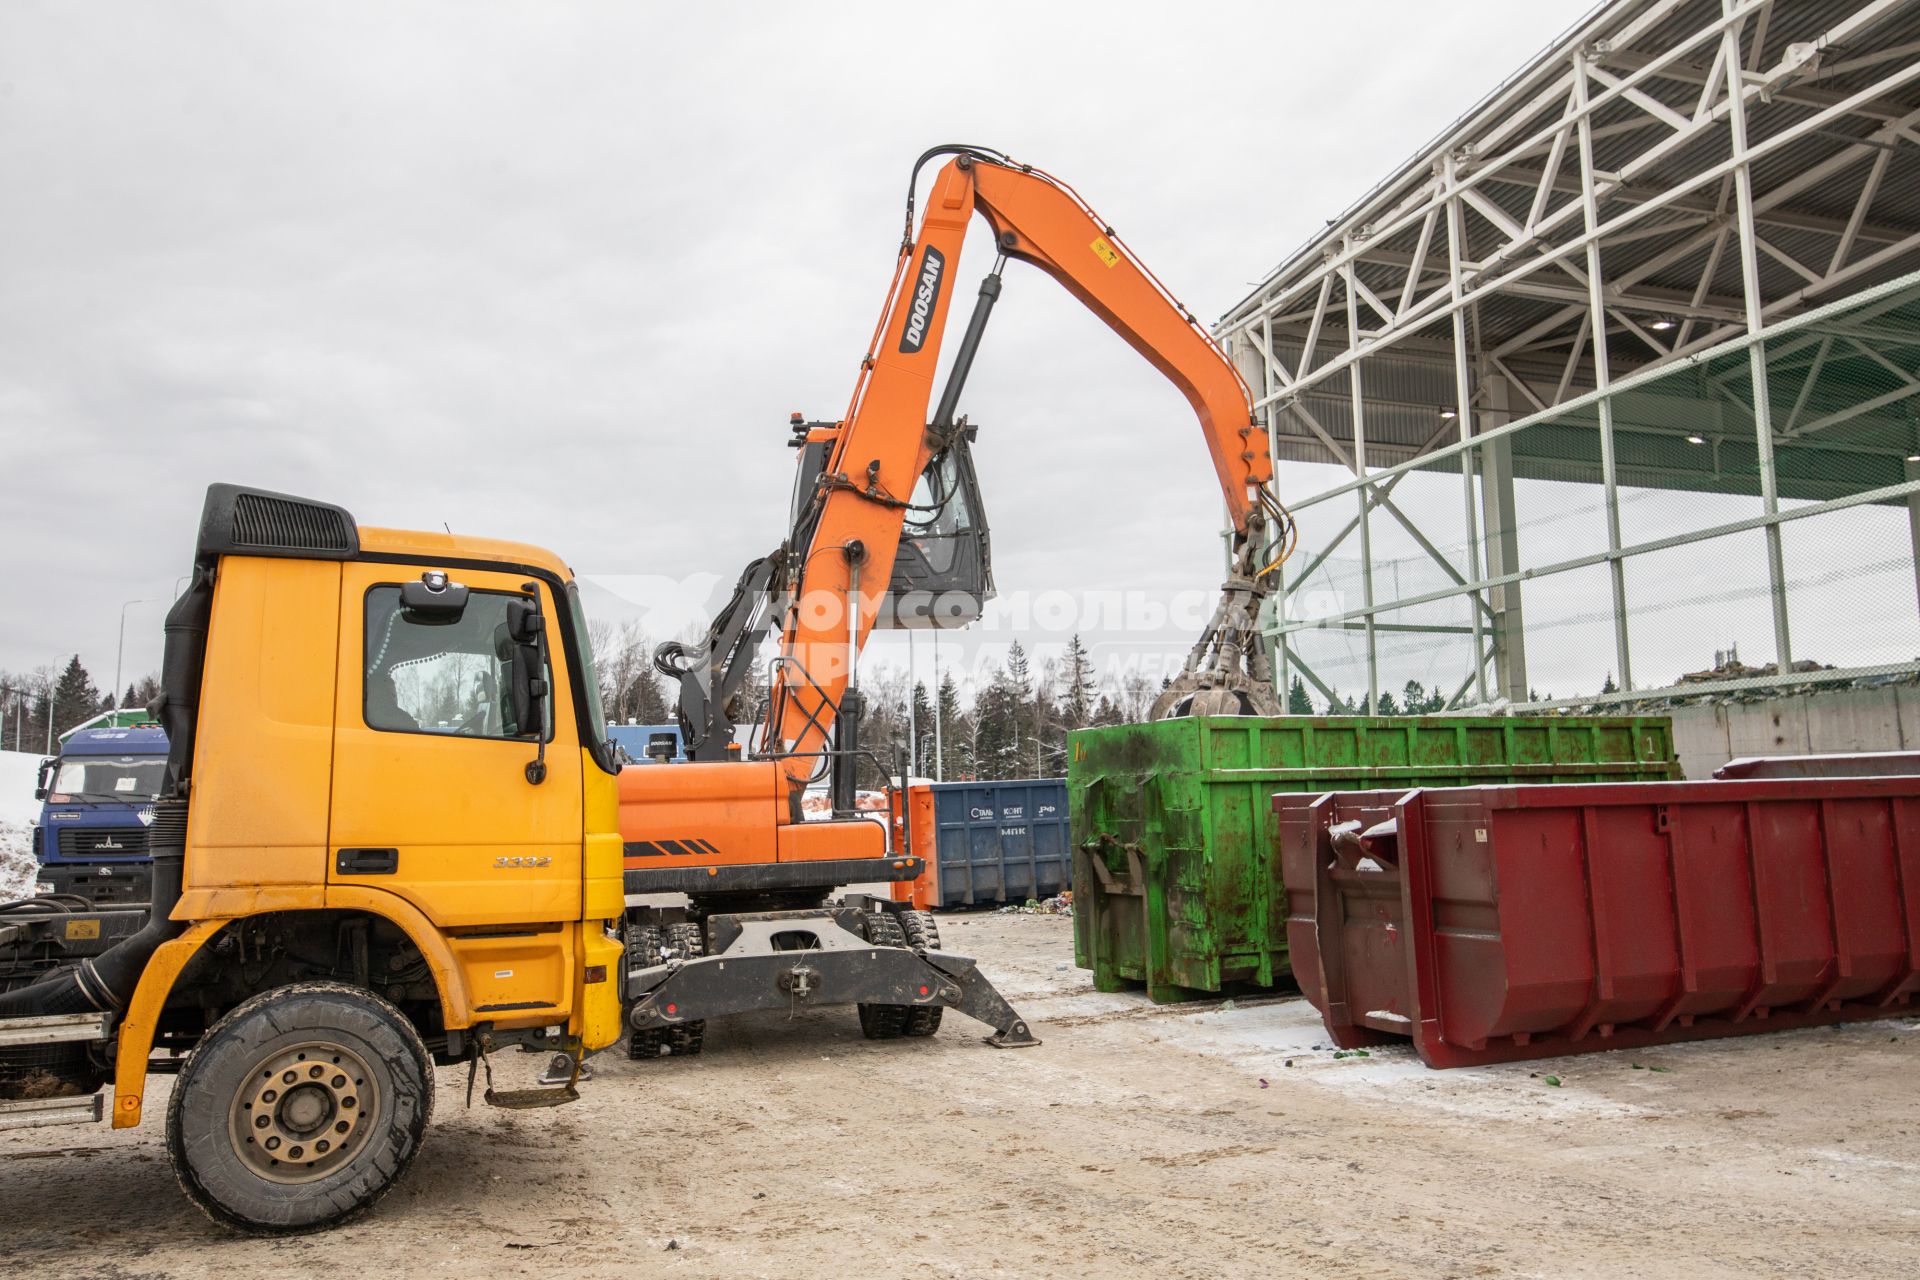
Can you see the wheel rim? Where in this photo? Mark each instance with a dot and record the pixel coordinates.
(303, 1111)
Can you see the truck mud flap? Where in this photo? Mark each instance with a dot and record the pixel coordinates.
(776, 962)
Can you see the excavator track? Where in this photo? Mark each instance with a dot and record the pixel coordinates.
(884, 1021)
(645, 946)
(923, 935)
(687, 941)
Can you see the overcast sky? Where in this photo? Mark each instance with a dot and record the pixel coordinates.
(559, 272)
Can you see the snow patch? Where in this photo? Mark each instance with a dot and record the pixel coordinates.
(19, 770)
(1260, 1039)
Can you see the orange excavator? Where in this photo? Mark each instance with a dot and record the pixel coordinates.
(887, 530)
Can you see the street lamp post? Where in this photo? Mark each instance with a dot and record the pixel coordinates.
(119, 653)
(939, 746)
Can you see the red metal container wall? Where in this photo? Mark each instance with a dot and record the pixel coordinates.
(1511, 922)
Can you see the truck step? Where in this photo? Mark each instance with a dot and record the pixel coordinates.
(32, 1113)
(55, 1028)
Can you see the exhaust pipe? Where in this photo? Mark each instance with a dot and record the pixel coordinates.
(105, 983)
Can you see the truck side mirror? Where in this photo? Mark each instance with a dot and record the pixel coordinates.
(43, 782)
(529, 692)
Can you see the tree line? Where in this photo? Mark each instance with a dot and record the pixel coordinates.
(37, 706)
(1415, 700)
(1012, 723)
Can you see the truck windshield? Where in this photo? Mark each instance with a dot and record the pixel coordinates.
(132, 779)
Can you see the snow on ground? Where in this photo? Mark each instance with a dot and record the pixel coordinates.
(18, 809)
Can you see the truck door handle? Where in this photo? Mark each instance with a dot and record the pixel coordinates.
(366, 862)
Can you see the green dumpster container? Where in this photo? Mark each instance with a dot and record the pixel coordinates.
(1175, 881)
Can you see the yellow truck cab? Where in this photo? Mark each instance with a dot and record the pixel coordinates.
(387, 838)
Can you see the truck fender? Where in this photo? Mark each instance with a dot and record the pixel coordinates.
(135, 1039)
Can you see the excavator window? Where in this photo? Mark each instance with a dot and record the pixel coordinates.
(943, 573)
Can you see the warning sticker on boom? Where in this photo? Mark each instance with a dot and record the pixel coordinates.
(1103, 249)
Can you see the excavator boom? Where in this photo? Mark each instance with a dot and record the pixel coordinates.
(842, 563)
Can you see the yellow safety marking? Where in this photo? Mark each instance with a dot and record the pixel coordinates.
(1105, 251)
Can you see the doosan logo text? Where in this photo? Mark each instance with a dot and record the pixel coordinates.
(932, 267)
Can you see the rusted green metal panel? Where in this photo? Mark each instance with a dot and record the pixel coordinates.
(1175, 881)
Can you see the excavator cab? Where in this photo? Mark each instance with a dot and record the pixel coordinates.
(943, 570)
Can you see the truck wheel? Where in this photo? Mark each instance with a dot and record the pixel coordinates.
(299, 1108)
(689, 942)
(922, 935)
(883, 1021)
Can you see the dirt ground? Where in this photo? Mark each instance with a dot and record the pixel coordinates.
(1190, 1141)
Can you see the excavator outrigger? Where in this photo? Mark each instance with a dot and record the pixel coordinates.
(887, 530)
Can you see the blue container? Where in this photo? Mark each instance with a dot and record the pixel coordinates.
(1001, 841)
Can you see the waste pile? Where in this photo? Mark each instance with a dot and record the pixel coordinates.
(1060, 904)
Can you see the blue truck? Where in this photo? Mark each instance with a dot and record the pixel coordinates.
(97, 801)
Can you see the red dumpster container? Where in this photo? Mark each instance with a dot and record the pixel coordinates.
(1491, 924)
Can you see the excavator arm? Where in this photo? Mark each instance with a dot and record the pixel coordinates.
(840, 557)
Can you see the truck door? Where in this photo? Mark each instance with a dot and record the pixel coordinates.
(431, 797)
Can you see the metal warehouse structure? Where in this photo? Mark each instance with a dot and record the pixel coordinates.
(1618, 373)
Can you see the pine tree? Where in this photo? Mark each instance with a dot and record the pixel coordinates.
(1078, 689)
(1019, 672)
(647, 700)
(75, 698)
(996, 719)
(146, 690)
(1298, 703)
(1388, 707)
(1609, 686)
(922, 729)
(953, 733)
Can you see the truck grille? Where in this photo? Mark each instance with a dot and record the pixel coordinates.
(114, 842)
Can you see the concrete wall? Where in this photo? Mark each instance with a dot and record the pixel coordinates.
(1886, 719)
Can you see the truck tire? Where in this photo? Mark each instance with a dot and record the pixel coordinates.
(883, 1021)
(922, 935)
(299, 1108)
(689, 942)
